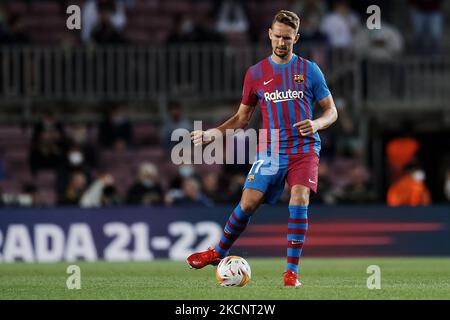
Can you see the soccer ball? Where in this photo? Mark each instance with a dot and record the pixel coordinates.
(233, 271)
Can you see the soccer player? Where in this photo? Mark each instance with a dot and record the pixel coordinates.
(286, 87)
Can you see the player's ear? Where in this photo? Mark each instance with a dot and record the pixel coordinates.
(270, 33)
(297, 37)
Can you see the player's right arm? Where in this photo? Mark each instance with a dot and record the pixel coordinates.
(238, 121)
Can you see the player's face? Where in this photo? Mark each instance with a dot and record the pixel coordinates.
(283, 38)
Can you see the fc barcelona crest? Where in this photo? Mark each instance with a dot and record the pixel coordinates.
(299, 78)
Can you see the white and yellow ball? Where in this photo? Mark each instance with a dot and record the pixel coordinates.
(233, 271)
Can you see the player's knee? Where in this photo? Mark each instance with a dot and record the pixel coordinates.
(249, 205)
(301, 199)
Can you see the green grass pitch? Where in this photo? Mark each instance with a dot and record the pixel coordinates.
(401, 278)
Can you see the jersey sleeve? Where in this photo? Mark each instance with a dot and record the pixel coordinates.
(319, 84)
(249, 97)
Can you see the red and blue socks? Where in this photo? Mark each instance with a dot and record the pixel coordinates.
(236, 224)
(297, 227)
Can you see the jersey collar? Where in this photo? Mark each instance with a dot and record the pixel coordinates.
(278, 65)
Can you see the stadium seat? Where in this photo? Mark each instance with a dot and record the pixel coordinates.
(47, 197)
(176, 7)
(45, 8)
(151, 154)
(46, 179)
(10, 186)
(145, 133)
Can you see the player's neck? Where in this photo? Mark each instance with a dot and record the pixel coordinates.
(279, 60)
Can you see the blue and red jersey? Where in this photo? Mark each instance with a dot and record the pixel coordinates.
(286, 94)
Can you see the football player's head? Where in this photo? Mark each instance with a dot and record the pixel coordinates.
(283, 33)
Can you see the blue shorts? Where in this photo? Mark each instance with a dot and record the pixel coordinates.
(269, 174)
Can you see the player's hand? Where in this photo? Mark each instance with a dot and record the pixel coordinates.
(200, 137)
(307, 127)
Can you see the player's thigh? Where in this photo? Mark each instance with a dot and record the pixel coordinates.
(299, 195)
(251, 199)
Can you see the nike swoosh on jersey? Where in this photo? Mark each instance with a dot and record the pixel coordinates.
(267, 82)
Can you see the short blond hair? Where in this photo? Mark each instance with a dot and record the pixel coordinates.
(288, 18)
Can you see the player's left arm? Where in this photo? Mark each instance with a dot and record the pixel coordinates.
(328, 117)
(322, 94)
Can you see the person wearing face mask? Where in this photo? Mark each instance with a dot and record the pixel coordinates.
(81, 151)
(409, 190)
(79, 156)
(146, 190)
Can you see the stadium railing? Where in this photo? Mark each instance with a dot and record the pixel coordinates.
(210, 72)
(407, 84)
(131, 72)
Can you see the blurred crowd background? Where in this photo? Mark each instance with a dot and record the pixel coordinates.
(69, 138)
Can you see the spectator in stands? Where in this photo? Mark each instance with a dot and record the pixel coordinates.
(78, 141)
(48, 144)
(379, 44)
(359, 190)
(174, 119)
(70, 40)
(74, 190)
(29, 196)
(104, 32)
(175, 191)
(400, 152)
(116, 131)
(80, 155)
(184, 171)
(16, 32)
(349, 157)
(428, 21)
(235, 183)
(311, 13)
(410, 190)
(211, 189)
(146, 190)
(326, 195)
(232, 17)
(101, 193)
(192, 195)
(345, 130)
(182, 32)
(112, 9)
(340, 25)
(205, 31)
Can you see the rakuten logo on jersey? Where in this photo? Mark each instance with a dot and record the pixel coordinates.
(279, 96)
